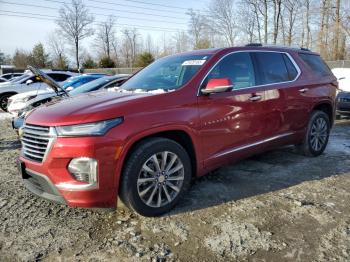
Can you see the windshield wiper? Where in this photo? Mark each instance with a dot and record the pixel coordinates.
(48, 80)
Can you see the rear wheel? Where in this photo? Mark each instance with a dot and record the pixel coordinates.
(155, 177)
(317, 135)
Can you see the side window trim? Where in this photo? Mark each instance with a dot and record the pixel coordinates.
(252, 52)
(258, 75)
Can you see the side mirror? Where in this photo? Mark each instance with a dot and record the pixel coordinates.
(217, 85)
(28, 82)
(341, 78)
(70, 88)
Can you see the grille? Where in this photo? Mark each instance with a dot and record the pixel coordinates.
(344, 99)
(36, 141)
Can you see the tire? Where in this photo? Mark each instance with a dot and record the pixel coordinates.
(4, 100)
(317, 134)
(142, 181)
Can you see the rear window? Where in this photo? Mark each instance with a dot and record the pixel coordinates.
(292, 71)
(316, 64)
(272, 67)
(58, 77)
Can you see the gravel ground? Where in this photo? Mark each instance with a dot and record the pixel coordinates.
(279, 206)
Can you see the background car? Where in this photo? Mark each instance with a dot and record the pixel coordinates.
(343, 76)
(2, 80)
(28, 82)
(76, 81)
(343, 96)
(98, 84)
(20, 101)
(10, 76)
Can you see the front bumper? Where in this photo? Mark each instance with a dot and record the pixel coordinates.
(54, 169)
(40, 185)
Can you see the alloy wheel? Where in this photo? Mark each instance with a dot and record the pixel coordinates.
(160, 179)
(3, 102)
(318, 134)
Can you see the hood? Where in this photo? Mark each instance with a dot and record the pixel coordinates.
(89, 107)
(47, 80)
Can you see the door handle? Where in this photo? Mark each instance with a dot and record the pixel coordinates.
(303, 90)
(255, 98)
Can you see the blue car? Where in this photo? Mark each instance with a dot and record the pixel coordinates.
(75, 81)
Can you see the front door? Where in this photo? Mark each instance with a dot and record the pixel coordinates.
(232, 120)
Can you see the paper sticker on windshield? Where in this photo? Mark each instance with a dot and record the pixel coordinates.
(193, 62)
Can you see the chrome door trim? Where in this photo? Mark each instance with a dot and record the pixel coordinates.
(253, 144)
(254, 51)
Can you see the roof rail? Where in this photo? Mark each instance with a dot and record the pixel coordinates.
(254, 44)
(278, 46)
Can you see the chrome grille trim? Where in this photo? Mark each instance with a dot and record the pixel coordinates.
(41, 128)
(37, 141)
(38, 137)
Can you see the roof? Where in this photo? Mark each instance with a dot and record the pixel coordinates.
(252, 46)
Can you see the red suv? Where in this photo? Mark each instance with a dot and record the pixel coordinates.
(179, 118)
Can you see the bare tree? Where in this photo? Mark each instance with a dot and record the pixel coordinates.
(247, 22)
(322, 36)
(75, 23)
(291, 8)
(264, 12)
(261, 11)
(276, 18)
(223, 18)
(307, 23)
(130, 45)
(149, 44)
(57, 48)
(256, 10)
(197, 29)
(336, 43)
(106, 36)
(181, 41)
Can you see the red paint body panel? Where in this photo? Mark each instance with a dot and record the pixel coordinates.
(217, 124)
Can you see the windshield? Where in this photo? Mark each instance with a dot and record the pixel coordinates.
(168, 73)
(92, 86)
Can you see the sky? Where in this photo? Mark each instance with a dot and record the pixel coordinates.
(154, 17)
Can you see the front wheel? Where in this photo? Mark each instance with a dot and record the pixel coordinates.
(4, 101)
(317, 134)
(155, 177)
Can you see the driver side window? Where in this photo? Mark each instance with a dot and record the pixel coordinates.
(238, 67)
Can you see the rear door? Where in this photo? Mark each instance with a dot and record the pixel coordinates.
(284, 107)
(232, 120)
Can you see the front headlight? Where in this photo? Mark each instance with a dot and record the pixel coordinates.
(89, 129)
